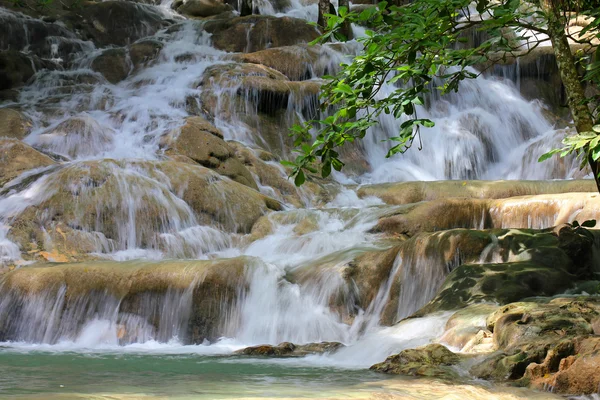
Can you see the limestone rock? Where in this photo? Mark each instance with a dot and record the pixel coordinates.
(214, 287)
(77, 136)
(113, 64)
(413, 192)
(433, 360)
(287, 349)
(258, 32)
(13, 124)
(16, 68)
(120, 22)
(203, 8)
(297, 62)
(203, 143)
(17, 157)
(144, 51)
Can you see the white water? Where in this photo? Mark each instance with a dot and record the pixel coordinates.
(484, 131)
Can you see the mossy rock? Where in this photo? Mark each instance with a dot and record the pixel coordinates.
(433, 360)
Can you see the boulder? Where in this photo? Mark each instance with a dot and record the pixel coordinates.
(258, 32)
(17, 68)
(13, 124)
(433, 360)
(203, 143)
(531, 264)
(535, 340)
(118, 205)
(287, 349)
(120, 23)
(297, 62)
(203, 8)
(17, 157)
(144, 51)
(271, 175)
(76, 137)
(113, 64)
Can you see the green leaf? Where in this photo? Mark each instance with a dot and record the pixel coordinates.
(300, 178)
(590, 223)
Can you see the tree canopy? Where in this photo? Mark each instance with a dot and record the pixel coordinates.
(421, 48)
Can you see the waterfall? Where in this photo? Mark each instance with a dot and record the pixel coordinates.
(175, 252)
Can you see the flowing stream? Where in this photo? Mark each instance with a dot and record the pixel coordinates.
(293, 283)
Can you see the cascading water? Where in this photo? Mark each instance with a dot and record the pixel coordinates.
(126, 202)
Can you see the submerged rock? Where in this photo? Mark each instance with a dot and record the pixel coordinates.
(144, 52)
(433, 360)
(287, 349)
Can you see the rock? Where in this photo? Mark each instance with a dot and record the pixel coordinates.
(135, 291)
(297, 62)
(17, 157)
(528, 212)
(287, 349)
(414, 192)
(259, 97)
(433, 360)
(536, 340)
(118, 205)
(13, 124)
(258, 32)
(467, 331)
(203, 8)
(579, 374)
(113, 64)
(120, 23)
(271, 175)
(203, 143)
(16, 68)
(144, 51)
(76, 137)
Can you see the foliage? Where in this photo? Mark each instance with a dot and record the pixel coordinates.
(419, 49)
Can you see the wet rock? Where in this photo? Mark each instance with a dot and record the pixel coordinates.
(271, 176)
(17, 157)
(113, 64)
(413, 192)
(144, 51)
(76, 136)
(287, 349)
(467, 330)
(203, 143)
(137, 290)
(13, 124)
(529, 212)
(258, 32)
(297, 62)
(578, 374)
(433, 360)
(120, 22)
(534, 339)
(17, 68)
(203, 8)
(105, 200)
